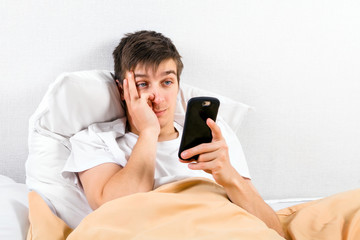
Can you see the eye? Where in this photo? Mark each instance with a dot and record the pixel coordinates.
(168, 82)
(141, 84)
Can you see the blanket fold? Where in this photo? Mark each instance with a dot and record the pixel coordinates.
(332, 218)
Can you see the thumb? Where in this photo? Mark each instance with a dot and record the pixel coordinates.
(215, 130)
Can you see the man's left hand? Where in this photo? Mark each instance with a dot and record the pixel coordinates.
(213, 157)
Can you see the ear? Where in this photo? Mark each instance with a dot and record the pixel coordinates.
(121, 90)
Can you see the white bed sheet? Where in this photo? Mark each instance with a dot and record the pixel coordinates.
(278, 204)
(14, 211)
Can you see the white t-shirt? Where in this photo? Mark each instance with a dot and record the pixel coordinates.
(108, 143)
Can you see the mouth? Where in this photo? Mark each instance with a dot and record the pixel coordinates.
(159, 113)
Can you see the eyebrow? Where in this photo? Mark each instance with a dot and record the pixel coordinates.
(165, 73)
(169, 72)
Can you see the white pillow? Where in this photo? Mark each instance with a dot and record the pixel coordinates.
(231, 111)
(14, 209)
(73, 102)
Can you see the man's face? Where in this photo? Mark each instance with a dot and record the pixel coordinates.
(163, 84)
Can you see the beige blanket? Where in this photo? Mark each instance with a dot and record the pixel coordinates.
(198, 209)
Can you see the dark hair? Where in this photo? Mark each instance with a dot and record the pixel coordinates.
(145, 47)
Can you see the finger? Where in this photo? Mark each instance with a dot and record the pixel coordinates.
(200, 149)
(147, 98)
(205, 166)
(187, 161)
(196, 166)
(207, 157)
(215, 130)
(132, 86)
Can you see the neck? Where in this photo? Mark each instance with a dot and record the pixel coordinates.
(168, 134)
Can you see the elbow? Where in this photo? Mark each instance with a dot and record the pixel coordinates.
(95, 203)
(97, 199)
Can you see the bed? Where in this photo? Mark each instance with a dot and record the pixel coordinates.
(70, 104)
(50, 204)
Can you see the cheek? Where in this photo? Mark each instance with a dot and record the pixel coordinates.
(172, 101)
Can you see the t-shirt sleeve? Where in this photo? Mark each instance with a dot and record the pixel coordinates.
(94, 146)
(87, 151)
(236, 154)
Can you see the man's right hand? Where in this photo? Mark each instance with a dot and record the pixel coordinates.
(140, 113)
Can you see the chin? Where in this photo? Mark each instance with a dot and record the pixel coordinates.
(164, 123)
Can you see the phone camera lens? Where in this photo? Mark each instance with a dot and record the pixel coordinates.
(206, 103)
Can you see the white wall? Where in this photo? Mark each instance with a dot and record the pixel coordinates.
(296, 62)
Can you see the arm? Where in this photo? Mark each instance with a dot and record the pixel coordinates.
(243, 193)
(109, 181)
(214, 159)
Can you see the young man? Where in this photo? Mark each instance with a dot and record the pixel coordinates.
(147, 70)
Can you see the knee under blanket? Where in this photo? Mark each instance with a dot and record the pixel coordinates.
(198, 209)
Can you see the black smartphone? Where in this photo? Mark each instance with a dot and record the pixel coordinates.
(196, 131)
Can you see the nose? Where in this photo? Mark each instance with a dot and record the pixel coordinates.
(158, 96)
